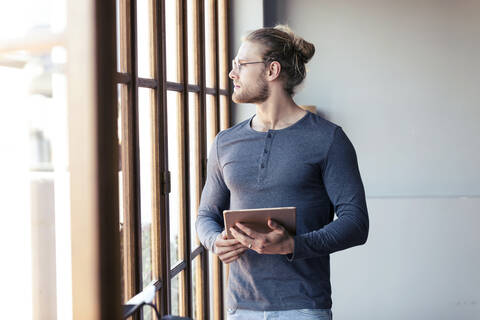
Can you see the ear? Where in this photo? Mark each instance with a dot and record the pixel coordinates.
(273, 70)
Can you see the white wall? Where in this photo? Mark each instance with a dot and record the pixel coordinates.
(420, 262)
(246, 15)
(401, 78)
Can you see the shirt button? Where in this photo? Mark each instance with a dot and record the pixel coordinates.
(269, 135)
(262, 166)
(265, 151)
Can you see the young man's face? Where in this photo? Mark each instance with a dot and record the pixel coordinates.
(249, 81)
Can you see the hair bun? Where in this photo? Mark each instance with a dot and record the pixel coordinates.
(305, 48)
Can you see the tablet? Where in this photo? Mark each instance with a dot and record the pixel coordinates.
(257, 219)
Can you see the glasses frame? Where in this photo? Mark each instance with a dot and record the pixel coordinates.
(237, 65)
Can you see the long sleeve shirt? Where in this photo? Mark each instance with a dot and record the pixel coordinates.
(310, 165)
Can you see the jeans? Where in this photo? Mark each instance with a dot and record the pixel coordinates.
(296, 314)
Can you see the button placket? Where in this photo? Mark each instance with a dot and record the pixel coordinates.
(265, 156)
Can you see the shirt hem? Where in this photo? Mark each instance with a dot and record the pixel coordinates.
(282, 307)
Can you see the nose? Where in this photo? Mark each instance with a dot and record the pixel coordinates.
(232, 75)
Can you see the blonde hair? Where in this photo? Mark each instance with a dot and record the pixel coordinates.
(290, 50)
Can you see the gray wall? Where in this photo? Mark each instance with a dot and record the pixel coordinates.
(402, 78)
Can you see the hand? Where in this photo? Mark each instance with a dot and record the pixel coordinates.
(228, 250)
(277, 241)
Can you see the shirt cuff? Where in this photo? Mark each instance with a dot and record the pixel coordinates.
(299, 249)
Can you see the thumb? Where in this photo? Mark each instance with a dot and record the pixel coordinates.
(224, 235)
(272, 224)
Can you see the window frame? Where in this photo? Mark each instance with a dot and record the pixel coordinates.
(129, 149)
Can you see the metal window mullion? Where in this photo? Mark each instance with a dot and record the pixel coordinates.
(202, 81)
(163, 254)
(133, 113)
(217, 60)
(147, 83)
(180, 156)
(122, 77)
(200, 275)
(179, 267)
(160, 230)
(224, 90)
(217, 264)
(197, 251)
(128, 151)
(223, 40)
(223, 87)
(187, 303)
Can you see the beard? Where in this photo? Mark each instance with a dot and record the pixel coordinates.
(255, 94)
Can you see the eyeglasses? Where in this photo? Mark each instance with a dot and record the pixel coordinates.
(237, 65)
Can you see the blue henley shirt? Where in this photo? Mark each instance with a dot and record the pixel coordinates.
(310, 165)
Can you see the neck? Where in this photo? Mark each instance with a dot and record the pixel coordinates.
(277, 112)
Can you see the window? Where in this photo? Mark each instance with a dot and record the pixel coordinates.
(34, 192)
(173, 98)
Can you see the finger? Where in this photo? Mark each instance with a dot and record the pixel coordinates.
(231, 258)
(222, 250)
(233, 253)
(239, 235)
(249, 232)
(272, 224)
(226, 243)
(228, 248)
(245, 240)
(224, 235)
(234, 257)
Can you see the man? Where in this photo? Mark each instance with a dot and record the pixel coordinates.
(281, 157)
